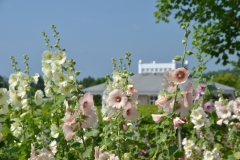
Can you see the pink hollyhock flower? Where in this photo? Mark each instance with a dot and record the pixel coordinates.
(157, 117)
(236, 107)
(86, 104)
(125, 126)
(167, 81)
(208, 107)
(117, 99)
(180, 75)
(130, 111)
(89, 121)
(199, 91)
(132, 93)
(130, 88)
(68, 132)
(180, 108)
(188, 95)
(177, 121)
(161, 101)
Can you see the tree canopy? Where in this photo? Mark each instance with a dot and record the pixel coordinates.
(217, 24)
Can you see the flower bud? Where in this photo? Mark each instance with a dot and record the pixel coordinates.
(125, 126)
(184, 41)
(80, 86)
(77, 73)
(74, 98)
(177, 58)
(189, 52)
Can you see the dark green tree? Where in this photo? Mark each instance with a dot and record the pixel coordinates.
(217, 24)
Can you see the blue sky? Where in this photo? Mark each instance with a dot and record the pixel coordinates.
(92, 32)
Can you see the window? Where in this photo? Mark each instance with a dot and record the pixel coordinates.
(156, 69)
(160, 69)
(152, 69)
(143, 70)
(147, 70)
(153, 99)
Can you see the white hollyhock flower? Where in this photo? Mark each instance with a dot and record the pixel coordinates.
(59, 57)
(208, 155)
(4, 109)
(65, 89)
(198, 123)
(223, 112)
(54, 131)
(59, 78)
(16, 127)
(23, 79)
(15, 101)
(13, 79)
(25, 104)
(55, 67)
(3, 96)
(35, 78)
(53, 147)
(197, 113)
(22, 91)
(48, 91)
(47, 56)
(38, 98)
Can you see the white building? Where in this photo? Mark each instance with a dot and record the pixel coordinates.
(158, 67)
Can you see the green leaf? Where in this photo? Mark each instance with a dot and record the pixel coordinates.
(172, 150)
(162, 138)
(87, 152)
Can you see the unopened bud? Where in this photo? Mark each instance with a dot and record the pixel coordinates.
(80, 86)
(77, 73)
(73, 91)
(177, 58)
(125, 126)
(184, 41)
(74, 98)
(189, 52)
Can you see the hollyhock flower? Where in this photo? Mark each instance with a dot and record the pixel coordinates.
(236, 107)
(54, 131)
(199, 91)
(68, 132)
(22, 91)
(157, 117)
(65, 89)
(198, 123)
(89, 121)
(208, 155)
(177, 121)
(161, 101)
(183, 110)
(180, 75)
(59, 57)
(47, 56)
(168, 106)
(86, 104)
(56, 68)
(44, 154)
(130, 111)
(59, 78)
(197, 113)
(107, 118)
(125, 126)
(223, 112)
(35, 78)
(13, 79)
(117, 99)
(38, 97)
(15, 101)
(53, 147)
(167, 81)
(188, 95)
(33, 153)
(4, 109)
(208, 107)
(3, 96)
(16, 127)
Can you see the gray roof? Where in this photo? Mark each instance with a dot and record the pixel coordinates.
(150, 84)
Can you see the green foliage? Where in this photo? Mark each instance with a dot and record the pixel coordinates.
(217, 24)
(90, 81)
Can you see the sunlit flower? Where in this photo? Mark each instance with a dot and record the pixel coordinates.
(3, 96)
(13, 79)
(59, 78)
(161, 101)
(44, 154)
(157, 117)
(90, 120)
(65, 89)
(56, 68)
(86, 104)
(223, 112)
(198, 123)
(16, 127)
(117, 99)
(47, 56)
(130, 111)
(59, 57)
(38, 97)
(53, 147)
(208, 155)
(22, 91)
(197, 113)
(180, 108)
(15, 101)
(180, 75)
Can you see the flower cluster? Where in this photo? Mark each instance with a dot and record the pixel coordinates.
(103, 155)
(199, 118)
(85, 116)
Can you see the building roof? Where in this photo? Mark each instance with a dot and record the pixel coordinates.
(151, 84)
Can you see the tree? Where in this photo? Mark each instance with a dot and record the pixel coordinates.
(217, 24)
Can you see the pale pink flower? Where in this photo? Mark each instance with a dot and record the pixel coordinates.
(161, 101)
(208, 107)
(86, 104)
(236, 107)
(130, 88)
(68, 132)
(180, 108)
(199, 91)
(167, 81)
(177, 121)
(157, 117)
(117, 99)
(130, 111)
(33, 153)
(168, 106)
(180, 75)
(223, 112)
(89, 121)
(188, 95)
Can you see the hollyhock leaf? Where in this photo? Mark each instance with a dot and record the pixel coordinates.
(87, 152)
(178, 154)
(89, 134)
(162, 138)
(172, 150)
